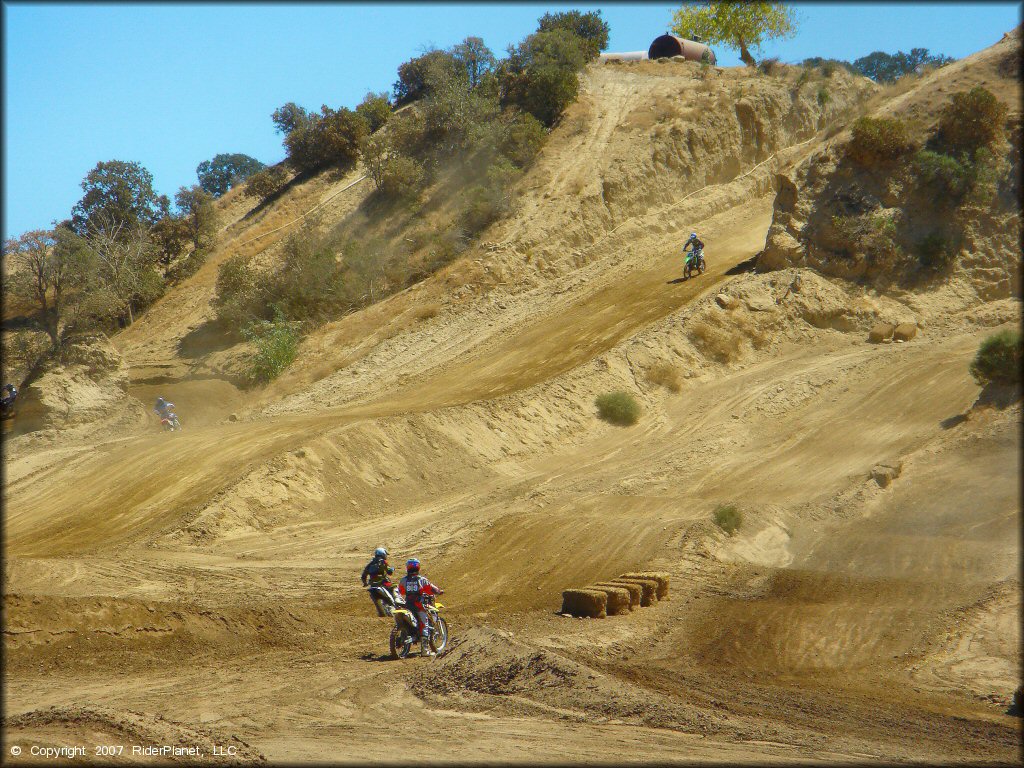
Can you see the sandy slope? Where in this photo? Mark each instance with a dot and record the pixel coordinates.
(201, 587)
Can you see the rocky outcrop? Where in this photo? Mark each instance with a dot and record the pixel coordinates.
(88, 382)
(886, 224)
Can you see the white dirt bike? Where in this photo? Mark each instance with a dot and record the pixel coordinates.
(404, 634)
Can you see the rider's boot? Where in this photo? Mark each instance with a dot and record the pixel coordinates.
(425, 649)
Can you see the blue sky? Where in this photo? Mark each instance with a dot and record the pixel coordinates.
(171, 85)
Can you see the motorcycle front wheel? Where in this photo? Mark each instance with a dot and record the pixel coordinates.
(439, 637)
(399, 643)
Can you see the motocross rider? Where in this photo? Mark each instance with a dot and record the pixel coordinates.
(163, 408)
(9, 396)
(376, 573)
(415, 589)
(695, 243)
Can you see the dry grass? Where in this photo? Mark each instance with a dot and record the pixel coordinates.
(665, 375)
(427, 311)
(727, 339)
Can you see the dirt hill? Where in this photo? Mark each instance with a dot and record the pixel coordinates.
(204, 584)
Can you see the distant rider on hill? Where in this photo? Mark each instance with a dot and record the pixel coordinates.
(376, 573)
(695, 243)
(415, 589)
(9, 396)
(163, 408)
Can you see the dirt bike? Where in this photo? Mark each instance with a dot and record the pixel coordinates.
(404, 634)
(170, 423)
(383, 599)
(694, 262)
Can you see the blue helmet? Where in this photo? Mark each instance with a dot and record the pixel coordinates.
(693, 235)
(160, 401)
(412, 565)
(380, 552)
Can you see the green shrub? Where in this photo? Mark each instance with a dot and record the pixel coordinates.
(618, 408)
(823, 96)
(238, 292)
(277, 343)
(949, 177)
(878, 141)
(935, 251)
(376, 110)
(971, 120)
(540, 74)
(402, 177)
(266, 182)
(728, 518)
(999, 359)
(330, 138)
(769, 66)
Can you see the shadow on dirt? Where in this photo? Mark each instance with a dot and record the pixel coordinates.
(953, 421)
(744, 266)
(209, 337)
(377, 657)
(998, 395)
(677, 281)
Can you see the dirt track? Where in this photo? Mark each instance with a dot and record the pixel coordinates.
(203, 586)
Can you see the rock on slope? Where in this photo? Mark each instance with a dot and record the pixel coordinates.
(845, 220)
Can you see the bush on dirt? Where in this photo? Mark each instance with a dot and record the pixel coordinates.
(936, 251)
(266, 182)
(665, 375)
(402, 178)
(878, 141)
(728, 518)
(950, 178)
(971, 120)
(618, 407)
(375, 108)
(276, 342)
(998, 360)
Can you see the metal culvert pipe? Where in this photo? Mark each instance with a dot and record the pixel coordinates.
(624, 56)
(669, 45)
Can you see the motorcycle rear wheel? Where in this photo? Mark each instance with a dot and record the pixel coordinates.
(397, 642)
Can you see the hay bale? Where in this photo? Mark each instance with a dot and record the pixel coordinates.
(659, 576)
(584, 602)
(904, 332)
(649, 587)
(618, 599)
(881, 332)
(635, 590)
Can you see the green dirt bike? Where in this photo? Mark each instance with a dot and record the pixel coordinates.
(404, 634)
(694, 263)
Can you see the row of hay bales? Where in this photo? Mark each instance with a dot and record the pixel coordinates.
(616, 596)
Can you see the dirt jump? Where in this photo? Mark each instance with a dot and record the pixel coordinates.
(202, 588)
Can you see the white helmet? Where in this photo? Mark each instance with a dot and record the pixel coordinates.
(380, 552)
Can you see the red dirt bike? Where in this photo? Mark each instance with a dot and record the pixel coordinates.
(170, 423)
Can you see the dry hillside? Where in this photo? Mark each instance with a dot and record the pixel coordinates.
(202, 587)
